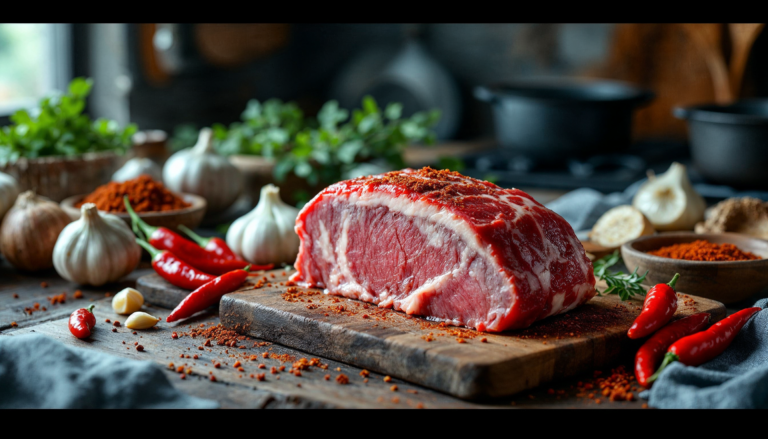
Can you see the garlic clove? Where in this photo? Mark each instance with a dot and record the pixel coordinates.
(127, 301)
(141, 320)
(669, 200)
(619, 225)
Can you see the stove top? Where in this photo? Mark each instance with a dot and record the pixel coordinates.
(605, 173)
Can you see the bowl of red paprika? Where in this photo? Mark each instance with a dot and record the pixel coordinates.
(154, 204)
(727, 267)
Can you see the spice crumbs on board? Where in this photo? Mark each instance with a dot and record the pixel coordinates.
(342, 379)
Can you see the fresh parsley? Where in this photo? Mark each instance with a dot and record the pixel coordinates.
(324, 150)
(59, 128)
(625, 285)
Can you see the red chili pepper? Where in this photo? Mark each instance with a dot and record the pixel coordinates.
(186, 250)
(703, 346)
(174, 270)
(659, 307)
(214, 244)
(208, 294)
(82, 321)
(651, 353)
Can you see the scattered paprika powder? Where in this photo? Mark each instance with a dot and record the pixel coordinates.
(144, 194)
(701, 250)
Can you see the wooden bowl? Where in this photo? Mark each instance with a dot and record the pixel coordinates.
(190, 217)
(726, 282)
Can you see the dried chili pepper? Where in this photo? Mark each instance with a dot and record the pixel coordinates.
(174, 270)
(214, 244)
(208, 294)
(659, 307)
(82, 321)
(703, 346)
(651, 353)
(186, 250)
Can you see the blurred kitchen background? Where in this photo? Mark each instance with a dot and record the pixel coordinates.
(500, 90)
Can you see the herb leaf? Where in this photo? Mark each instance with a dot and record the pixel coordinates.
(58, 127)
(625, 285)
(325, 150)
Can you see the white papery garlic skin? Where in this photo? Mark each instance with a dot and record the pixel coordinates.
(29, 231)
(266, 234)
(669, 200)
(141, 320)
(201, 171)
(96, 249)
(138, 166)
(9, 190)
(127, 301)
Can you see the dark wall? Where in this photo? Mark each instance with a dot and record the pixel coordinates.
(316, 54)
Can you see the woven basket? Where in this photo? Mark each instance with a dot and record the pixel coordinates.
(60, 177)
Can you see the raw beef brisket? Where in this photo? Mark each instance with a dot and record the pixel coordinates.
(442, 245)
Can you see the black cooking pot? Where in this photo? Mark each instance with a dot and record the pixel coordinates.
(556, 120)
(729, 143)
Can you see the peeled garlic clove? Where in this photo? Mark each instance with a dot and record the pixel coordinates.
(141, 320)
(127, 301)
(619, 225)
(669, 200)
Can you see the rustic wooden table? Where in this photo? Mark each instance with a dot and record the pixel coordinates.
(26, 306)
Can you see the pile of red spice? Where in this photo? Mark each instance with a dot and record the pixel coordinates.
(144, 194)
(701, 250)
(620, 385)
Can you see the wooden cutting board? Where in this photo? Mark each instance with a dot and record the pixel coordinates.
(454, 360)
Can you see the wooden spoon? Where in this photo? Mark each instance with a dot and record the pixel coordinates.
(708, 37)
(743, 35)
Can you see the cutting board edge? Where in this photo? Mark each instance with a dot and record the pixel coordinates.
(469, 389)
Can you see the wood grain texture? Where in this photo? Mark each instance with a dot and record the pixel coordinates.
(231, 391)
(158, 291)
(233, 388)
(27, 286)
(392, 343)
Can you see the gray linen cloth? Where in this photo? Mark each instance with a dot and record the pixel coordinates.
(40, 372)
(737, 379)
(583, 207)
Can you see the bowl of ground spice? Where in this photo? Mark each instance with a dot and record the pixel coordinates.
(727, 267)
(152, 201)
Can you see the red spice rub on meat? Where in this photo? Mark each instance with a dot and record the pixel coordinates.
(439, 244)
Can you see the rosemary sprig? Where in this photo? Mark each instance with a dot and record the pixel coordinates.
(625, 285)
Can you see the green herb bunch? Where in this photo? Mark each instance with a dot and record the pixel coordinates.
(625, 285)
(264, 130)
(323, 151)
(59, 128)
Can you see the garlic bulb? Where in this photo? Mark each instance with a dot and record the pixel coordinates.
(29, 231)
(141, 320)
(266, 234)
(96, 249)
(127, 301)
(135, 167)
(619, 225)
(201, 171)
(669, 200)
(9, 190)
